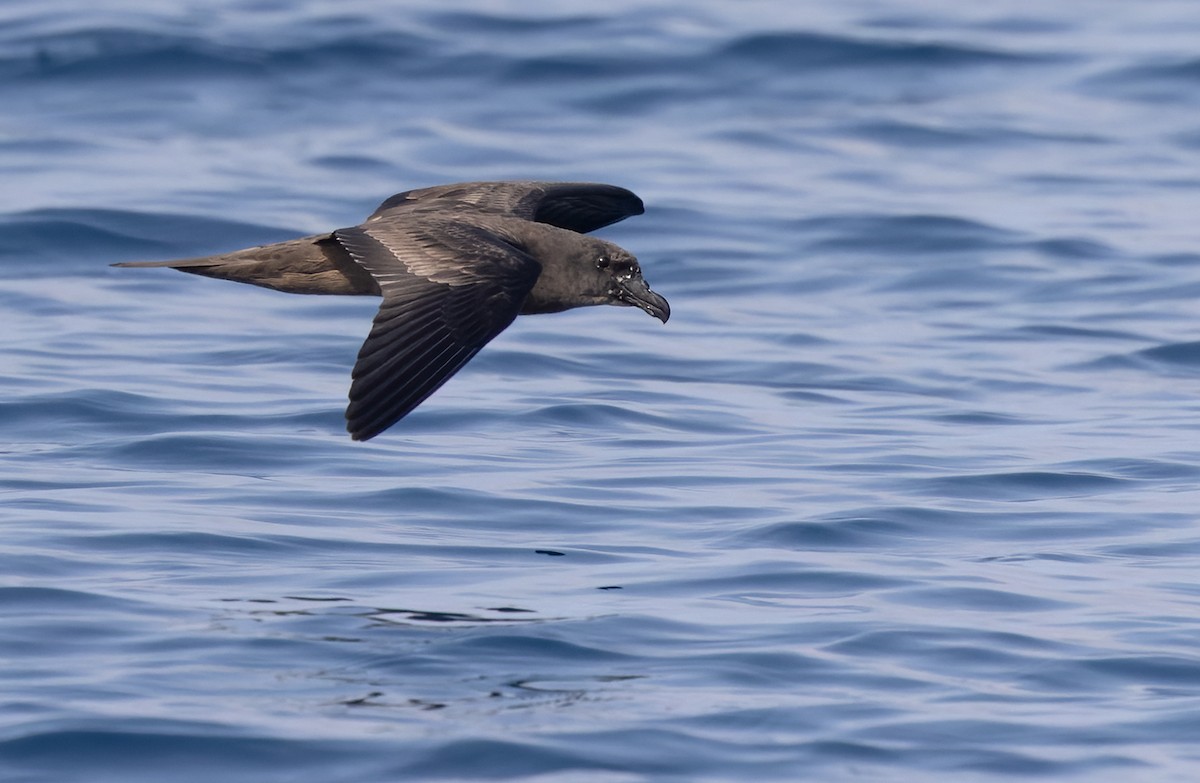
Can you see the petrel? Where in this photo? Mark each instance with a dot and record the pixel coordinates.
(455, 265)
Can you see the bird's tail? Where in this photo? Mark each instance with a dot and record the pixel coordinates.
(178, 263)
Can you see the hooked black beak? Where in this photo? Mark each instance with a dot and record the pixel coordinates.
(635, 292)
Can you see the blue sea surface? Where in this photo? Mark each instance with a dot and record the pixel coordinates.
(908, 489)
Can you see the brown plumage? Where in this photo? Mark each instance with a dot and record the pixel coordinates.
(455, 264)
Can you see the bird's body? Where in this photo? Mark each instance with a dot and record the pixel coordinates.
(455, 264)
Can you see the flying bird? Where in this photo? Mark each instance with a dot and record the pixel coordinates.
(455, 265)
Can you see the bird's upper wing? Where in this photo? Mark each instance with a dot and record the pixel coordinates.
(448, 288)
(576, 206)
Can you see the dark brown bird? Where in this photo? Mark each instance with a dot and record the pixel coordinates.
(455, 264)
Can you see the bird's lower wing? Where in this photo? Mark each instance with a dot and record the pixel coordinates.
(446, 294)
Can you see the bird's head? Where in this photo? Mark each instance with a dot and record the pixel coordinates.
(579, 270)
(618, 273)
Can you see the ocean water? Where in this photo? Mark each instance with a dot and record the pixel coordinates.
(908, 489)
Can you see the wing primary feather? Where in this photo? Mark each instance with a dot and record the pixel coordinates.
(376, 417)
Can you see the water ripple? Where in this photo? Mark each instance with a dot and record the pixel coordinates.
(906, 490)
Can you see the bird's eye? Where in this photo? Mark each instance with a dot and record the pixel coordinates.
(602, 262)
